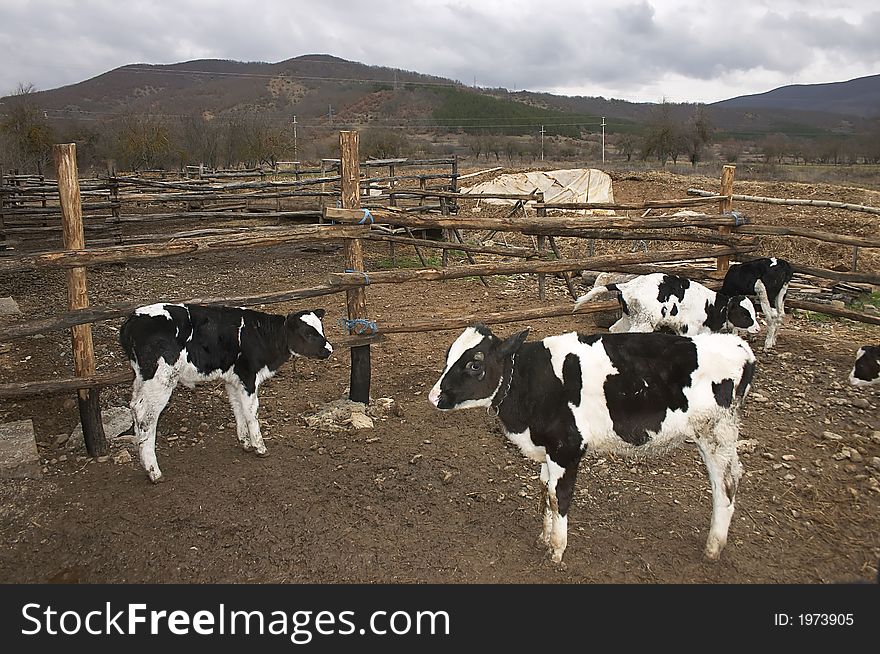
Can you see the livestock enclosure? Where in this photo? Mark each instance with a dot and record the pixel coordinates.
(423, 496)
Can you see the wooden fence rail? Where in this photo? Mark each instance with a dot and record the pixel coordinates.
(794, 201)
(604, 262)
(177, 247)
(557, 225)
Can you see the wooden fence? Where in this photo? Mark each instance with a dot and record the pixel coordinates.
(124, 208)
(362, 216)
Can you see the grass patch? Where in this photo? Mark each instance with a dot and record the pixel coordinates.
(865, 300)
(815, 316)
(386, 263)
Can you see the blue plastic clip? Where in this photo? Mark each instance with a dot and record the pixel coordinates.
(367, 215)
(360, 326)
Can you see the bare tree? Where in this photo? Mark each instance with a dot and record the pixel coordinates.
(475, 144)
(663, 138)
(140, 141)
(731, 150)
(199, 141)
(626, 144)
(697, 135)
(26, 134)
(383, 143)
(775, 147)
(512, 149)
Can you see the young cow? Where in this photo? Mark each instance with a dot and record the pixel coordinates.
(659, 301)
(188, 343)
(606, 393)
(767, 279)
(866, 370)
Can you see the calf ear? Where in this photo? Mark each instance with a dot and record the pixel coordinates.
(513, 343)
(319, 313)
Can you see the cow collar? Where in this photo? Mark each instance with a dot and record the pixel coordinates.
(495, 406)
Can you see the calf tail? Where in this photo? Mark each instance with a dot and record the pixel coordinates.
(745, 381)
(598, 290)
(125, 339)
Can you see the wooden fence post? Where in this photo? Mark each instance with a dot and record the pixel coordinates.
(359, 383)
(78, 298)
(115, 211)
(542, 213)
(725, 206)
(2, 220)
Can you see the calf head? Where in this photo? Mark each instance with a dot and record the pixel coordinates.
(475, 367)
(305, 334)
(741, 314)
(866, 370)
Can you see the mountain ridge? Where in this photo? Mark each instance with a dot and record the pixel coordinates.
(327, 90)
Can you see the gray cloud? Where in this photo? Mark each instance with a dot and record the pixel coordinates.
(630, 49)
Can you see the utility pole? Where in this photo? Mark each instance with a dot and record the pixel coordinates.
(294, 138)
(542, 143)
(603, 139)
(330, 113)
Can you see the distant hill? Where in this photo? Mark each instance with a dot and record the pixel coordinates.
(856, 97)
(324, 90)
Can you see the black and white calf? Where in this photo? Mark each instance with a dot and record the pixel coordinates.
(662, 302)
(606, 393)
(169, 344)
(866, 370)
(768, 279)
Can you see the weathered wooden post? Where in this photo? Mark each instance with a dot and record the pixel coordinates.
(2, 220)
(78, 298)
(541, 213)
(114, 199)
(725, 206)
(359, 383)
(453, 186)
(323, 203)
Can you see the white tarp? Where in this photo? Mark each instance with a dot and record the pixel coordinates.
(569, 185)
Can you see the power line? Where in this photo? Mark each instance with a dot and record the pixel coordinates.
(462, 122)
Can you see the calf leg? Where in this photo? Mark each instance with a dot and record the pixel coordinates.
(780, 301)
(560, 488)
(250, 404)
(773, 325)
(761, 292)
(718, 450)
(149, 398)
(544, 537)
(774, 315)
(773, 328)
(234, 393)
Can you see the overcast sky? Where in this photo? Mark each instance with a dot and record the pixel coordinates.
(637, 50)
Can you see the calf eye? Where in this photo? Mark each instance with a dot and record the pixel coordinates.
(474, 366)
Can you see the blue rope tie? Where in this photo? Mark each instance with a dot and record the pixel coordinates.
(366, 276)
(360, 325)
(367, 215)
(738, 218)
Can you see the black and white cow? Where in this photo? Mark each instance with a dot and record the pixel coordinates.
(663, 302)
(768, 279)
(866, 370)
(606, 393)
(169, 344)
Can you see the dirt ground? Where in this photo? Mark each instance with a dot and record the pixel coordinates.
(426, 496)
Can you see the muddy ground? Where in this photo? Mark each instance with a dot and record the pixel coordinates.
(425, 496)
